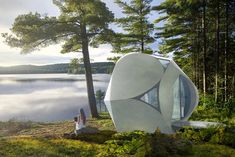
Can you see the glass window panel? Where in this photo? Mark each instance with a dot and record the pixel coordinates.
(185, 95)
(182, 98)
(151, 97)
(176, 108)
(164, 63)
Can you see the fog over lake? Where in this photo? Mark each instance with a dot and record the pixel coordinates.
(45, 97)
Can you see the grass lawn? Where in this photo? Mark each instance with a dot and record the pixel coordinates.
(28, 139)
(33, 147)
(50, 130)
(212, 150)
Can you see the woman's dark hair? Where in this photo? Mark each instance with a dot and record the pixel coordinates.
(75, 119)
(83, 116)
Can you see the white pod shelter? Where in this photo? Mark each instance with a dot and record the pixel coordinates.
(147, 92)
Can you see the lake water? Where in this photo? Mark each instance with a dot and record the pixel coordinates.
(45, 97)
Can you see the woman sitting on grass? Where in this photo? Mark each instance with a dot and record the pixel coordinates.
(80, 121)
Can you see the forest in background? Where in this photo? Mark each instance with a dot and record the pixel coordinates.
(202, 36)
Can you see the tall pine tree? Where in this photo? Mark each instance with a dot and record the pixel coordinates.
(81, 23)
(136, 27)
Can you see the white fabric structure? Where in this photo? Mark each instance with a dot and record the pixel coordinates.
(149, 92)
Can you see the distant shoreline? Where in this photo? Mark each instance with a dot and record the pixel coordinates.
(63, 68)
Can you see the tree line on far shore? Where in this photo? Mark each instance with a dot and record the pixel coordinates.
(97, 68)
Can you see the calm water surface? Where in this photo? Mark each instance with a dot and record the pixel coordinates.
(45, 97)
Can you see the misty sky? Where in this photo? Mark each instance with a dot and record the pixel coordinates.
(10, 9)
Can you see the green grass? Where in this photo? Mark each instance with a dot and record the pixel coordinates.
(30, 147)
(213, 115)
(28, 139)
(211, 150)
(52, 130)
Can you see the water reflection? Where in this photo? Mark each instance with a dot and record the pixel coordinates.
(45, 97)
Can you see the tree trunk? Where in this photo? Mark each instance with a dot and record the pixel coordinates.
(233, 87)
(197, 60)
(142, 30)
(100, 106)
(225, 51)
(193, 60)
(217, 51)
(142, 44)
(204, 73)
(197, 72)
(88, 73)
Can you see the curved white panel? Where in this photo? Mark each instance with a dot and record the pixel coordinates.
(134, 75)
(108, 92)
(130, 115)
(109, 108)
(166, 97)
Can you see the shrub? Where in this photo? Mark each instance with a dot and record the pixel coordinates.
(229, 139)
(216, 135)
(163, 145)
(140, 144)
(13, 126)
(125, 144)
(208, 110)
(191, 134)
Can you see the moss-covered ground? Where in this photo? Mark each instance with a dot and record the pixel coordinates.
(29, 139)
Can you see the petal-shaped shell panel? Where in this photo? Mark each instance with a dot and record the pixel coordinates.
(133, 75)
(166, 97)
(131, 114)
